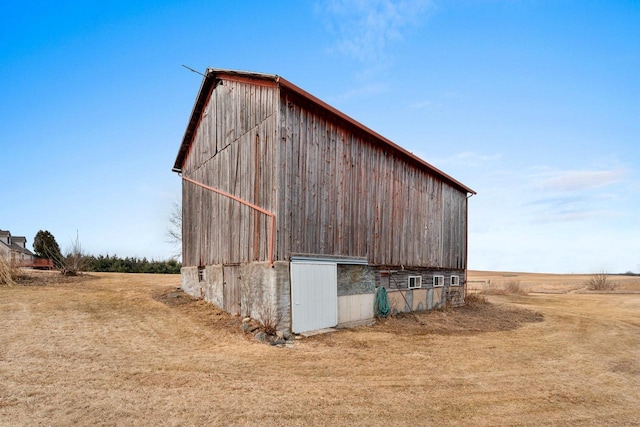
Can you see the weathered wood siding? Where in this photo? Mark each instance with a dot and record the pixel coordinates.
(233, 150)
(344, 193)
(334, 190)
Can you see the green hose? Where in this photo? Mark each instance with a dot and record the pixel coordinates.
(381, 303)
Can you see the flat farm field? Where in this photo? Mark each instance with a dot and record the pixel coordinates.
(126, 349)
(495, 281)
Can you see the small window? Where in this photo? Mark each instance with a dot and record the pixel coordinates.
(455, 281)
(438, 281)
(415, 282)
(202, 274)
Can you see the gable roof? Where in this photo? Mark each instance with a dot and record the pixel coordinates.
(12, 245)
(213, 76)
(20, 249)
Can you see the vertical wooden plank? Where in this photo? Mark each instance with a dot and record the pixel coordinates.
(347, 217)
(361, 156)
(270, 184)
(335, 172)
(315, 191)
(244, 192)
(341, 165)
(300, 183)
(251, 107)
(378, 237)
(233, 219)
(352, 227)
(367, 183)
(289, 173)
(309, 194)
(306, 147)
(326, 244)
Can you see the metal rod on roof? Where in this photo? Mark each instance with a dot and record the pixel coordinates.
(195, 71)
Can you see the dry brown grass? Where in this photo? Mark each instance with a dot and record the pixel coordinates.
(511, 287)
(9, 273)
(116, 349)
(496, 281)
(600, 282)
(476, 298)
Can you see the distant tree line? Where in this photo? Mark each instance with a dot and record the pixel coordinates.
(76, 260)
(115, 264)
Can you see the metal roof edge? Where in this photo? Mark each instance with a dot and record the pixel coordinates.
(250, 74)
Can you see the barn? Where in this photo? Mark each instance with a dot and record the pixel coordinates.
(295, 213)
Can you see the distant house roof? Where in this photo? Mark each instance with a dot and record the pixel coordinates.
(18, 248)
(12, 242)
(214, 75)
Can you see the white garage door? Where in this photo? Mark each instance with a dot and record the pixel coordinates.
(314, 296)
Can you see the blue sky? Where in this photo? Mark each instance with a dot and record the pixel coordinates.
(533, 104)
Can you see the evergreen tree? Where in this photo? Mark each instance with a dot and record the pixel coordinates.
(45, 246)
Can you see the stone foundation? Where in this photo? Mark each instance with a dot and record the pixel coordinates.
(262, 292)
(265, 291)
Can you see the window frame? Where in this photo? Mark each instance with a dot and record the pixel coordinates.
(417, 282)
(440, 281)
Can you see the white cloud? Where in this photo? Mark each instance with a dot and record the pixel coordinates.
(467, 159)
(440, 100)
(369, 89)
(634, 186)
(365, 28)
(573, 215)
(421, 104)
(575, 196)
(577, 180)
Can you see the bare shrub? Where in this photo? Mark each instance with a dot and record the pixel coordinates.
(174, 231)
(475, 298)
(8, 272)
(513, 288)
(75, 261)
(269, 316)
(11, 273)
(600, 282)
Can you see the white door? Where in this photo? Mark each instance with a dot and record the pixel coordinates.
(314, 296)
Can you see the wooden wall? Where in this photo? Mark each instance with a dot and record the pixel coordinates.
(345, 193)
(233, 150)
(334, 189)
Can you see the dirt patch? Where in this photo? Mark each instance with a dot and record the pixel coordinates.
(174, 297)
(198, 310)
(466, 320)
